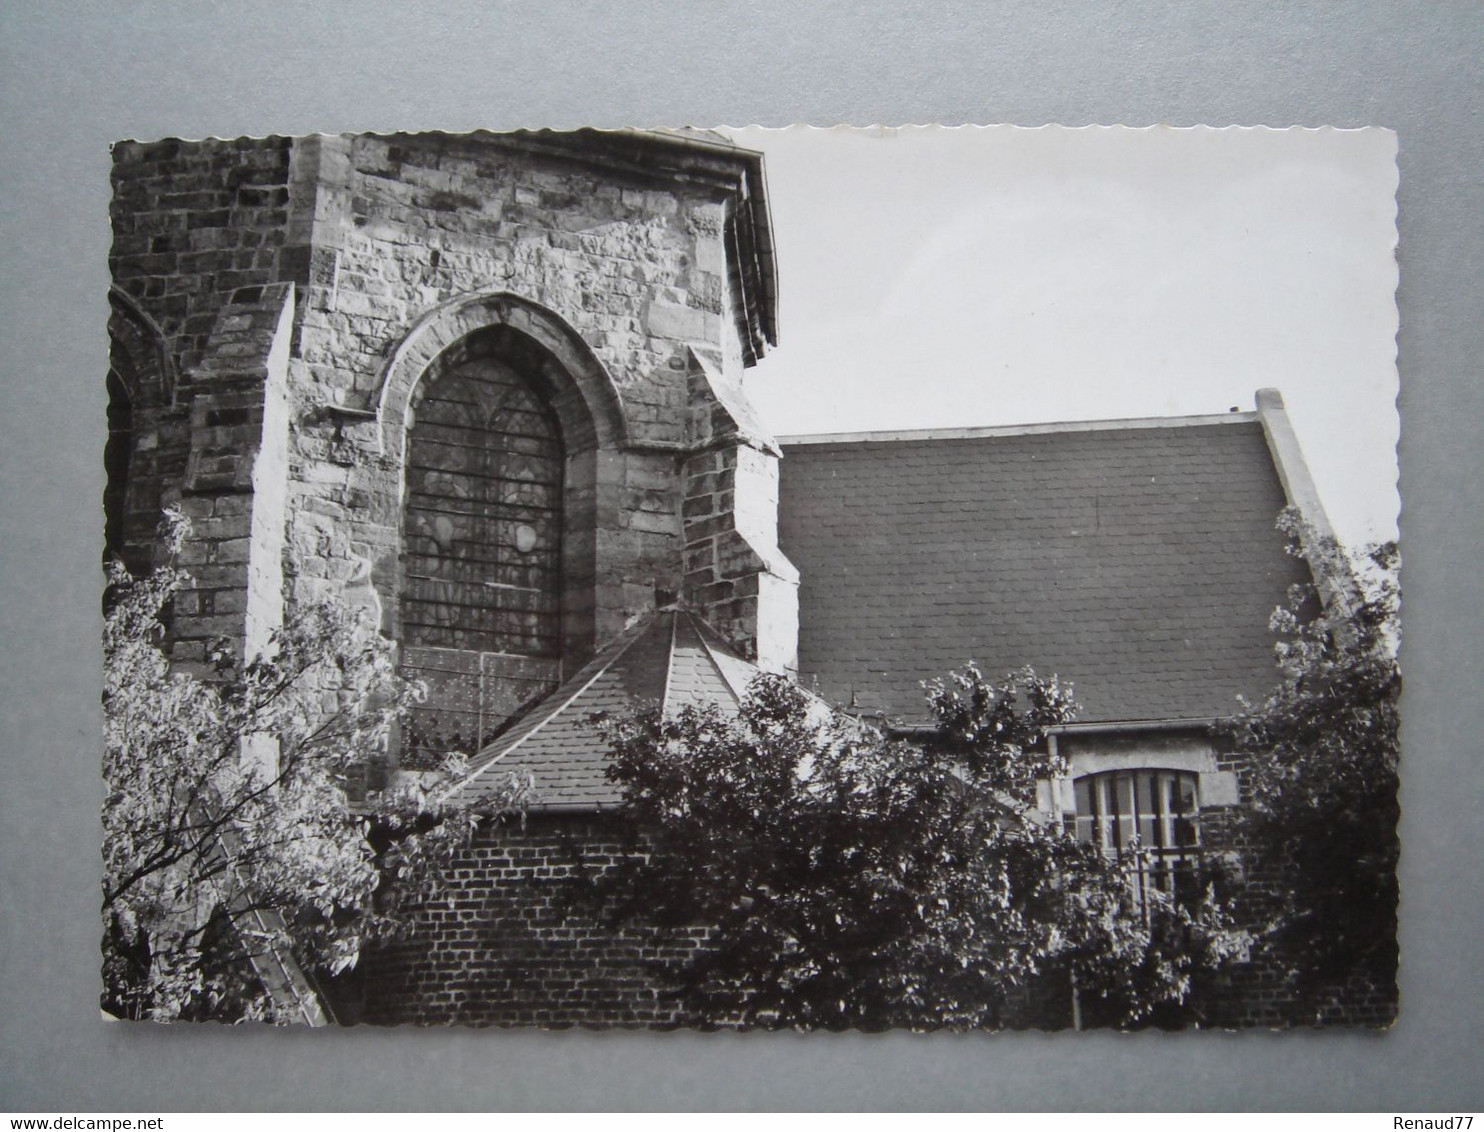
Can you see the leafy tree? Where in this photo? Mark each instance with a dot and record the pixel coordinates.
(232, 847)
(1322, 753)
(851, 880)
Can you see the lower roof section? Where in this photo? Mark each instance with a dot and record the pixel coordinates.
(667, 659)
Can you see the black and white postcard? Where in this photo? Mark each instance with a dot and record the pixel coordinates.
(846, 579)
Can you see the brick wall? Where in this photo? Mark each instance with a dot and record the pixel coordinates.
(1256, 993)
(505, 945)
(508, 944)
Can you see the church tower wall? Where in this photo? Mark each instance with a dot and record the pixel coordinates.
(487, 388)
(309, 292)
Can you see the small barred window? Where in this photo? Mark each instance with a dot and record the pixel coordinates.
(1153, 812)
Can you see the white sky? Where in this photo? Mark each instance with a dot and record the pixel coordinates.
(979, 276)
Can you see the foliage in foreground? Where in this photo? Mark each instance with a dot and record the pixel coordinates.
(229, 840)
(855, 881)
(1323, 752)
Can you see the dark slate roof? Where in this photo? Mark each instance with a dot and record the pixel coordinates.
(1138, 560)
(668, 658)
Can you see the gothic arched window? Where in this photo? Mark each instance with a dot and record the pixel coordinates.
(480, 608)
(148, 438)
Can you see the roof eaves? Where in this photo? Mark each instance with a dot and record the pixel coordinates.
(593, 807)
(1125, 726)
(1091, 727)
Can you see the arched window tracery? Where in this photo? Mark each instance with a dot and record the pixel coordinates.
(482, 555)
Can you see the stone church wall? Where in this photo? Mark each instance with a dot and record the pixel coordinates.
(194, 223)
(616, 257)
(281, 309)
(409, 224)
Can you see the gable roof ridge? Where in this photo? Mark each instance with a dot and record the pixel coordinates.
(1032, 429)
(669, 666)
(700, 626)
(619, 647)
(1332, 573)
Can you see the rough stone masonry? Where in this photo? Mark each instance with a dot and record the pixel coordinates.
(487, 385)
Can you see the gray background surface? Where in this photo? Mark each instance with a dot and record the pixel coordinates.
(74, 77)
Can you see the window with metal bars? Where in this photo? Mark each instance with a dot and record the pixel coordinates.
(1155, 813)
